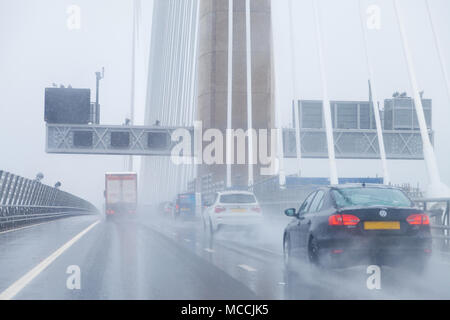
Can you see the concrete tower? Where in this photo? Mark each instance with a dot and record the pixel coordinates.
(213, 74)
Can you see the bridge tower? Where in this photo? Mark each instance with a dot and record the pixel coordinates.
(213, 75)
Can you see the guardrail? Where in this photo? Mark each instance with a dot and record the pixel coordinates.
(439, 211)
(25, 200)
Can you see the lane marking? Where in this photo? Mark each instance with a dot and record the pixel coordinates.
(26, 227)
(247, 268)
(17, 286)
(209, 250)
(187, 240)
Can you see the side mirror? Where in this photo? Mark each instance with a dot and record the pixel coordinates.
(290, 212)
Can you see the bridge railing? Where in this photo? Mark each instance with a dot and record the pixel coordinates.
(439, 211)
(26, 200)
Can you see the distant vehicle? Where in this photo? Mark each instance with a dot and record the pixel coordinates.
(185, 206)
(347, 225)
(120, 193)
(232, 209)
(166, 209)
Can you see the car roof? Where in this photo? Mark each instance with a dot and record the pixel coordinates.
(235, 192)
(361, 185)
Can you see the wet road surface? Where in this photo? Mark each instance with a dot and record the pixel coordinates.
(149, 257)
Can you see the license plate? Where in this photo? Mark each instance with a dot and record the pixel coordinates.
(238, 210)
(185, 209)
(382, 225)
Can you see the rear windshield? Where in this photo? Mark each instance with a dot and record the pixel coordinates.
(237, 198)
(350, 197)
(186, 199)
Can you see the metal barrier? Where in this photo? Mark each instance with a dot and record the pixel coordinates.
(25, 200)
(438, 209)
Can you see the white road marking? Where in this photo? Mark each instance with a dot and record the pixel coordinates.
(209, 250)
(26, 227)
(282, 283)
(187, 240)
(247, 268)
(17, 286)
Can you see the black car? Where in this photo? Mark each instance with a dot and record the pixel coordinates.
(348, 225)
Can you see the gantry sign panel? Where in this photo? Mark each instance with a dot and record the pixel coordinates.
(156, 141)
(356, 144)
(110, 140)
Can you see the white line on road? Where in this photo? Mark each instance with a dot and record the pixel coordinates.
(187, 240)
(247, 268)
(17, 286)
(209, 250)
(26, 227)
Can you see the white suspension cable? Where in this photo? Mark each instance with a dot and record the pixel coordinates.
(326, 101)
(436, 187)
(229, 91)
(294, 92)
(376, 111)
(249, 92)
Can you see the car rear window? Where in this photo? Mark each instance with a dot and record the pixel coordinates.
(237, 198)
(186, 199)
(350, 197)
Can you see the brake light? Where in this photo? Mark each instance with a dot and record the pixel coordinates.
(219, 209)
(418, 219)
(256, 209)
(109, 211)
(343, 220)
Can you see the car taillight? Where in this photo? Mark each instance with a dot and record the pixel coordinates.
(109, 211)
(343, 220)
(256, 209)
(219, 209)
(418, 219)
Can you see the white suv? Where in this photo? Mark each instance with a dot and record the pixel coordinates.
(232, 208)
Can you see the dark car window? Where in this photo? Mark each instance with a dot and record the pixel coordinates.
(317, 202)
(237, 198)
(306, 204)
(366, 196)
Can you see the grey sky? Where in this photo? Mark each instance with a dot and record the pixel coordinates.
(37, 49)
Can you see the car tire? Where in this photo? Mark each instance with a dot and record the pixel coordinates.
(313, 252)
(211, 228)
(287, 259)
(205, 226)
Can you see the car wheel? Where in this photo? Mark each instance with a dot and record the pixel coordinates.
(287, 253)
(211, 228)
(313, 252)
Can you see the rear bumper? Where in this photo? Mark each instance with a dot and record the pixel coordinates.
(237, 221)
(384, 251)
